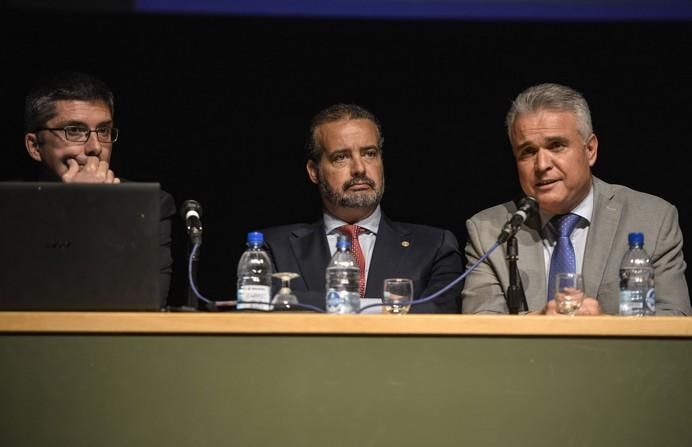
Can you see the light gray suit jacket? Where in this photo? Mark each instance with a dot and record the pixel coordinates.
(617, 211)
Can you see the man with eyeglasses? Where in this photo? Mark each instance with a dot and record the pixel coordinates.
(70, 131)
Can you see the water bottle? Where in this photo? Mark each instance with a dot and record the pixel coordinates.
(254, 275)
(637, 294)
(343, 276)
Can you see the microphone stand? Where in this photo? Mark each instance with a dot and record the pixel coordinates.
(516, 299)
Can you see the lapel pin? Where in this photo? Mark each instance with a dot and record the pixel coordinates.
(405, 244)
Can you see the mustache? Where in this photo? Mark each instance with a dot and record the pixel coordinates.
(363, 180)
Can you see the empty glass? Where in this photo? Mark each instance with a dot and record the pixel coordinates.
(285, 297)
(397, 295)
(569, 292)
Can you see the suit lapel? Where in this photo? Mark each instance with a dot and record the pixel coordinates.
(606, 216)
(531, 263)
(392, 247)
(312, 254)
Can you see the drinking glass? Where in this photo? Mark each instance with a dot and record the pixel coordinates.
(569, 292)
(397, 295)
(285, 297)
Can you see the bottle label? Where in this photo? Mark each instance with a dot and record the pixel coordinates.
(631, 303)
(254, 297)
(342, 302)
(650, 302)
(333, 301)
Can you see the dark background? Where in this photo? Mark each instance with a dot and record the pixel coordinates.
(215, 108)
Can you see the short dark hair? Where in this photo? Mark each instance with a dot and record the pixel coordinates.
(334, 113)
(39, 105)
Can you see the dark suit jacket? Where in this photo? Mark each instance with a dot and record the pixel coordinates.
(427, 255)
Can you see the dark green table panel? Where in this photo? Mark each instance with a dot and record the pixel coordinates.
(174, 390)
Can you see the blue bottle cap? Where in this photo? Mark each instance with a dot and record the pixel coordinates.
(343, 242)
(636, 239)
(255, 237)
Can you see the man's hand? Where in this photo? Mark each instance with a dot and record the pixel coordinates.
(93, 171)
(589, 306)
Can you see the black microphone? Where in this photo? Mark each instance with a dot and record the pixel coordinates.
(191, 212)
(526, 207)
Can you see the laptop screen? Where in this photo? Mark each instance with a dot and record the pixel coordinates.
(79, 246)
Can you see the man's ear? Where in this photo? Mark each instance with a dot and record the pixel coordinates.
(313, 171)
(32, 146)
(591, 147)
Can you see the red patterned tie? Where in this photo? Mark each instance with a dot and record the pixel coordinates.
(353, 231)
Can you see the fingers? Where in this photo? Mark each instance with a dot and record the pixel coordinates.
(102, 171)
(92, 164)
(550, 308)
(590, 306)
(97, 171)
(111, 178)
(103, 174)
(72, 171)
(93, 170)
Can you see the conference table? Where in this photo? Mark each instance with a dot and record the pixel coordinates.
(304, 379)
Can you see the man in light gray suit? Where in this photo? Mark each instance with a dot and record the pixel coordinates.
(550, 131)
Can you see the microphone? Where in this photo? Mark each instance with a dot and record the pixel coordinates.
(191, 212)
(526, 207)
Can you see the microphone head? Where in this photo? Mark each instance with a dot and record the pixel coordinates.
(528, 204)
(188, 206)
(526, 207)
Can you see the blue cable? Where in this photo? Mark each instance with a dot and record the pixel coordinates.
(442, 290)
(197, 293)
(195, 248)
(193, 253)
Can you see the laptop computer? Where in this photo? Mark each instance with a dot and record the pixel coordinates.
(80, 247)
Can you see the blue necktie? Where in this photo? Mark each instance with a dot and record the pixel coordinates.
(563, 259)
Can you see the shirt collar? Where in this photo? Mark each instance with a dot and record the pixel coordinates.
(370, 223)
(584, 209)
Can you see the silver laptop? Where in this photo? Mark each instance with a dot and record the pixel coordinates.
(79, 246)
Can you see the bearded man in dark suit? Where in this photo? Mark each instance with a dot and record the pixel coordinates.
(345, 162)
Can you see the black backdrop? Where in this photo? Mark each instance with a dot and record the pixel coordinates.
(215, 109)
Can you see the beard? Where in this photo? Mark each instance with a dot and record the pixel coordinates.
(352, 199)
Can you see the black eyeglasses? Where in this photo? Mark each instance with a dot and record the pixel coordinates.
(81, 134)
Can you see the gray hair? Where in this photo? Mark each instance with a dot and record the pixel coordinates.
(552, 97)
